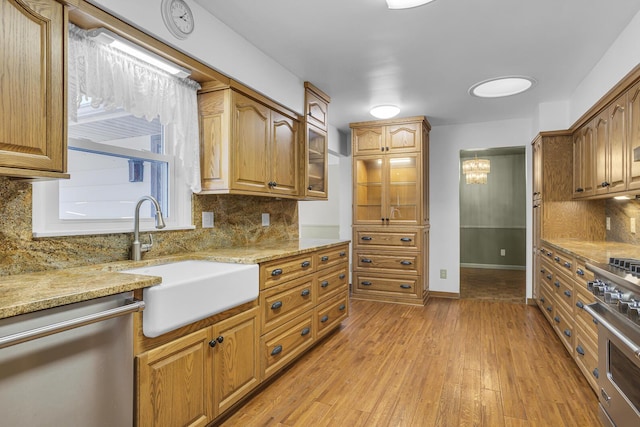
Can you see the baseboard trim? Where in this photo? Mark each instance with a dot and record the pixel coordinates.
(494, 266)
(448, 295)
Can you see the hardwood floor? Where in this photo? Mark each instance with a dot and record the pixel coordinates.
(451, 363)
(493, 285)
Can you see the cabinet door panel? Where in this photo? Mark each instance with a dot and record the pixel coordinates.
(368, 140)
(633, 137)
(403, 138)
(32, 124)
(251, 129)
(601, 154)
(368, 191)
(284, 155)
(617, 146)
(403, 196)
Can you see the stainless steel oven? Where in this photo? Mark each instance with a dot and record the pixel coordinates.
(617, 311)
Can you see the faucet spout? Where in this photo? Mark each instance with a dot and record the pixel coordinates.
(136, 247)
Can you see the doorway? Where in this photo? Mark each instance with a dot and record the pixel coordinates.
(493, 225)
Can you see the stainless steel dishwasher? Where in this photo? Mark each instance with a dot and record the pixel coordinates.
(70, 365)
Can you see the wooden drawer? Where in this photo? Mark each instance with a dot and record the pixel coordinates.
(407, 263)
(547, 252)
(284, 343)
(387, 285)
(547, 276)
(284, 302)
(329, 314)
(564, 291)
(584, 319)
(583, 276)
(587, 357)
(333, 256)
(330, 282)
(564, 262)
(547, 303)
(273, 273)
(408, 239)
(563, 324)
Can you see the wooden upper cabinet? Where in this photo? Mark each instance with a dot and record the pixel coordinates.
(315, 175)
(368, 140)
(32, 97)
(537, 168)
(583, 162)
(247, 147)
(402, 138)
(316, 107)
(617, 145)
(633, 137)
(601, 135)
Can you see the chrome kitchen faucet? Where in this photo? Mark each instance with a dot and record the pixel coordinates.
(136, 247)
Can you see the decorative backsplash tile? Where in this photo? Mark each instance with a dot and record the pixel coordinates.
(620, 213)
(237, 222)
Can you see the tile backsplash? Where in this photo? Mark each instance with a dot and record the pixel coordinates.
(620, 213)
(237, 222)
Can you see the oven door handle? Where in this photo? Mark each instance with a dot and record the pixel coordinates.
(613, 330)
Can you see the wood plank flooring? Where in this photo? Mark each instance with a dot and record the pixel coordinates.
(493, 284)
(451, 363)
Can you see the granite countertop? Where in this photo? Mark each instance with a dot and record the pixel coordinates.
(595, 251)
(25, 293)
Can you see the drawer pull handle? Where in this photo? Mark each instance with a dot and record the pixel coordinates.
(567, 332)
(542, 300)
(276, 272)
(595, 320)
(366, 283)
(542, 270)
(580, 304)
(596, 373)
(605, 184)
(580, 350)
(366, 238)
(324, 284)
(342, 307)
(366, 261)
(342, 276)
(549, 309)
(276, 305)
(404, 262)
(276, 350)
(549, 253)
(568, 293)
(324, 258)
(567, 264)
(324, 318)
(342, 253)
(557, 319)
(305, 264)
(305, 331)
(556, 258)
(405, 239)
(579, 190)
(549, 276)
(580, 272)
(403, 286)
(213, 343)
(305, 293)
(557, 283)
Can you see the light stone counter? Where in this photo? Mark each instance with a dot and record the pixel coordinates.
(24, 293)
(595, 251)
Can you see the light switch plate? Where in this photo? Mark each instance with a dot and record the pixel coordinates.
(608, 223)
(633, 225)
(443, 274)
(503, 252)
(265, 220)
(207, 219)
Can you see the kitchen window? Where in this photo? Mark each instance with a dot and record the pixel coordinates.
(132, 132)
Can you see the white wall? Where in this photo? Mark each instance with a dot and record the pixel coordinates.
(445, 145)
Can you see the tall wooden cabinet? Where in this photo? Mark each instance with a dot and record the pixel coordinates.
(32, 95)
(315, 185)
(390, 210)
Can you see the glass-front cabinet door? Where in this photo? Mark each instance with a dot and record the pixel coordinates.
(316, 163)
(386, 190)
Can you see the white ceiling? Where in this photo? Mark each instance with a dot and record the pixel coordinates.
(425, 59)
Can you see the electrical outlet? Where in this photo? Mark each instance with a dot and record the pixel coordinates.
(503, 252)
(443, 274)
(633, 226)
(608, 223)
(207, 219)
(265, 219)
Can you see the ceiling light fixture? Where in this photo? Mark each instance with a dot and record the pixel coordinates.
(406, 4)
(105, 36)
(475, 170)
(502, 86)
(384, 111)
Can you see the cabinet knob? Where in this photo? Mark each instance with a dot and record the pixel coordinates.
(342, 253)
(557, 319)
(342, 276)
(324, 258)
(305, 293)
(605, 184)
(305, 331)
(579, 190)
(567, 332)
(366, 261)
(276, 350)
(568, 293)
(580, 304)
(405, 239)
(342, 307)
(580, 272)
(213, 343)
(324, 318)
(276, 305)
(580, 350)
(404, 262)
(403, 286)
(366, 238)
(324, 284)
(276, 272)
(557, 283)
(366, 283)
(310, 187)
(305, 264)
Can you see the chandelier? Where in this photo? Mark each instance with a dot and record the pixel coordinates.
(475, 170)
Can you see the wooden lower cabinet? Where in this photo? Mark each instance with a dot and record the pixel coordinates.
(191, 380)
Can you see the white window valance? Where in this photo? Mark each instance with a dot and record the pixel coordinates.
(114, 79)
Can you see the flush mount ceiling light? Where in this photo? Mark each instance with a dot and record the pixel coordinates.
(406, 4)
(384, 111)
(502, 86)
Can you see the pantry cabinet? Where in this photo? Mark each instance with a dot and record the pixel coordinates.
(390, 209)
(315, 185)
(247, 146)
(32, 89)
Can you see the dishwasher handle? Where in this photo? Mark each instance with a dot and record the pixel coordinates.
(132, 306)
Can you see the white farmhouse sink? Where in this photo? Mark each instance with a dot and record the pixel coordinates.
(193, 290)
